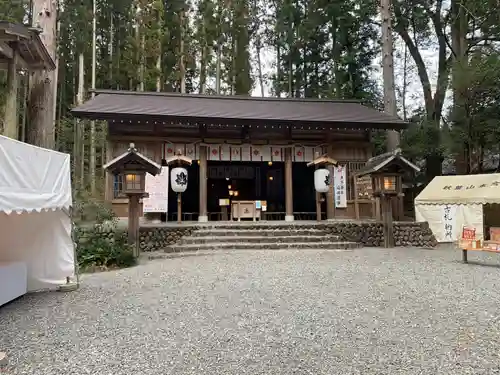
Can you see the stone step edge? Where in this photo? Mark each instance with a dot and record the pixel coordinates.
(263, 246)
(195, 253)
(265, 238)
(260, 231)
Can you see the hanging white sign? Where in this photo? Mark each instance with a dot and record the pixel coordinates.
(157, 188)
(340, 186)
(449, 217)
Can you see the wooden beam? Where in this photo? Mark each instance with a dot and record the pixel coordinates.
(6, 50)
(11, 118)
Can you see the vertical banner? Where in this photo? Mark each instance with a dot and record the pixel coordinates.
(225, 152)
(340, 186)
(449, 216)
(299, 154)
(235, 153)
(256, 153)
(266, 153)
(276, 153)
(169, 150)
(246, 153)
(214, 153)
(191, 151)
(157, 188)
(308, 154)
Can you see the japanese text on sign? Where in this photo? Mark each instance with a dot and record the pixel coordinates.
(157, 188)
(340, 186)
(449, 216)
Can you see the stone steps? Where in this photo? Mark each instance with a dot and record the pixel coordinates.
(259, 232)
(269, 245)
(260, 225)
(210, 239)
(259, 236)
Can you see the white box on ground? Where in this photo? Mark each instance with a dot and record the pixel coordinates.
(13, 281)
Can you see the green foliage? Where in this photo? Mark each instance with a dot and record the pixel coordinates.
(103, 248)
(101, 243)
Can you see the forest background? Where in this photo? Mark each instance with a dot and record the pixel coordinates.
(446, 61)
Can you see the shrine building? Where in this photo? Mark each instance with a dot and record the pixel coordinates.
(244, 148)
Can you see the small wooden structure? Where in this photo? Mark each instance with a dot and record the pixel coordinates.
(327, 162)
(134, 166)
(179, 161)
(21, 48)
(386, 172)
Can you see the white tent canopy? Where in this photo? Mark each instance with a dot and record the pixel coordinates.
(35, 225)
(450, 203)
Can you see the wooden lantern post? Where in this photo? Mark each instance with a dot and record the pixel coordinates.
(174, 162)
(385, 188)
(133, 166)
(322, 162)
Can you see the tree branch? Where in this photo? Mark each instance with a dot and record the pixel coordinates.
(401, 28)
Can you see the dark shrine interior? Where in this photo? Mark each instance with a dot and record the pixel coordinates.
(263, 181)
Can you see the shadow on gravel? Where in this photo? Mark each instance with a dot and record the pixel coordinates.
(477, 263)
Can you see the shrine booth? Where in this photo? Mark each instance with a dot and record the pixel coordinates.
(36, 246)
(450, 203)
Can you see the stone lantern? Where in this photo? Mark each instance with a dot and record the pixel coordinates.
(133, 166)
(322, 180)
(179, 178)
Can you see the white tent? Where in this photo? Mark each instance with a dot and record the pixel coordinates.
(35, 222)
(449, 203)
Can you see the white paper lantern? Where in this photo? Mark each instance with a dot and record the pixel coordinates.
(322, 180)
(179, 179)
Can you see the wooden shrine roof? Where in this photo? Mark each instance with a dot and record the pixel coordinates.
(379, 162)
(26, 40)
(234, 110)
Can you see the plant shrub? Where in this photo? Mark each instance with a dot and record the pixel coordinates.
(99, 247)
(101, 244)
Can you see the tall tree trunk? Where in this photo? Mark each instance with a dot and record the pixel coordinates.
(258, 48)
(111, 49)
(92, 164)
(390, 107)
(278, 67)
(79, 141)
(459, 68)
(42, 126)
(405, 83)
(182, 53)
(218, 69)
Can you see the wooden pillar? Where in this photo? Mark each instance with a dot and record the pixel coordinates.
(179, 208)
(318, 202)
(377, 209)
(288, 185)
(387, 220)
(400, 199)
(330, 198)
(356, 201)
(203, 216)
(133, 222)
(11, 119)
(108, 176)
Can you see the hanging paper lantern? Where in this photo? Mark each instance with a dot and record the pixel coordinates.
(179, 179)
(322, 180)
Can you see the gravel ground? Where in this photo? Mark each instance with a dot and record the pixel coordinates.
(369, 311)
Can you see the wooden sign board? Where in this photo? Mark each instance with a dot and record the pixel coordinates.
(365, 188)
